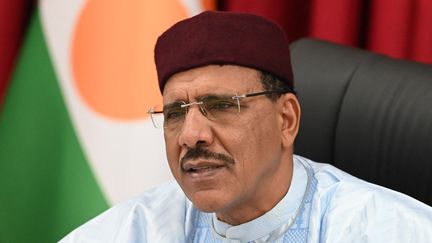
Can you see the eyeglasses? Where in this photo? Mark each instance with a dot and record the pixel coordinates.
(220, 108)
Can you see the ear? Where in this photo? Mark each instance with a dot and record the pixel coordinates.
(290, 115)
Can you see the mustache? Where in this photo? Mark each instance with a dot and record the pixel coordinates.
(197, 153)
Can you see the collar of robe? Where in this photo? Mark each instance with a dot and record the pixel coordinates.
(273, 224)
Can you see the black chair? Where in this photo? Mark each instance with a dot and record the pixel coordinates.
(367, 114)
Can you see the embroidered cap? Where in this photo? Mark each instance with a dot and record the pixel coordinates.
(215, 37)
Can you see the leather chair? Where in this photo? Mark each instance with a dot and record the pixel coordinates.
(367, 114)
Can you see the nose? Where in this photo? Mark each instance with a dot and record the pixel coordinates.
(196, 129)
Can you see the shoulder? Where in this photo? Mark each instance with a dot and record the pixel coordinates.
(346, 206)
(138, 219)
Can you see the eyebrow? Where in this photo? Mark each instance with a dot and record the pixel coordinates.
(199, 98)
(214, 96)
(175, 104)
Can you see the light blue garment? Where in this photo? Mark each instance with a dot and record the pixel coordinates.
(323, 204)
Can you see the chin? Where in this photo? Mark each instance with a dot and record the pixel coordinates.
(209, 202)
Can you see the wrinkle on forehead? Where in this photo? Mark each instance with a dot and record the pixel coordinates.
(212, 79)
(196, 93)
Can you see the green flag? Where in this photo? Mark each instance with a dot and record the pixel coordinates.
(47, 187)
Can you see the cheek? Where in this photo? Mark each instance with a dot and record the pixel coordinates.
(243, 145)
(172, 153)
(258, 142)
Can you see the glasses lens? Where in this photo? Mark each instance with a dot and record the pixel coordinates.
(216, 108)
(157, 119)
(174, 114)
(222, 109)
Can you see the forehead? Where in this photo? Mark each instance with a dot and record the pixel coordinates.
(211, 79)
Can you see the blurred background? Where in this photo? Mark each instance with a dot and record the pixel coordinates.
(77, 77)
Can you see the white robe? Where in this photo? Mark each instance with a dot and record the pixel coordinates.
(323, 204)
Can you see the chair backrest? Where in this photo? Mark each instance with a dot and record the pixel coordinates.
(367, 114)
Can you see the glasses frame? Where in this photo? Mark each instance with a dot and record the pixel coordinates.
(153, 112)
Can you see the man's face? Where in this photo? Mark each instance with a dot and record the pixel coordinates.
(247, 161)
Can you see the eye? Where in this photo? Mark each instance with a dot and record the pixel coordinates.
(221, 105)
(174, 114)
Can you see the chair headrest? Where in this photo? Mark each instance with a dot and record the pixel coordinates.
(368, 114)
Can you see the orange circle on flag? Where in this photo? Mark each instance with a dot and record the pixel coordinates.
(112, 54)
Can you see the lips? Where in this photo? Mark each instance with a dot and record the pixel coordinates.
(201, 167)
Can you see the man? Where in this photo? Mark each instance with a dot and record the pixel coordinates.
(230, 116)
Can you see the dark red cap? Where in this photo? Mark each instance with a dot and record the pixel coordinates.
(214, 37)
